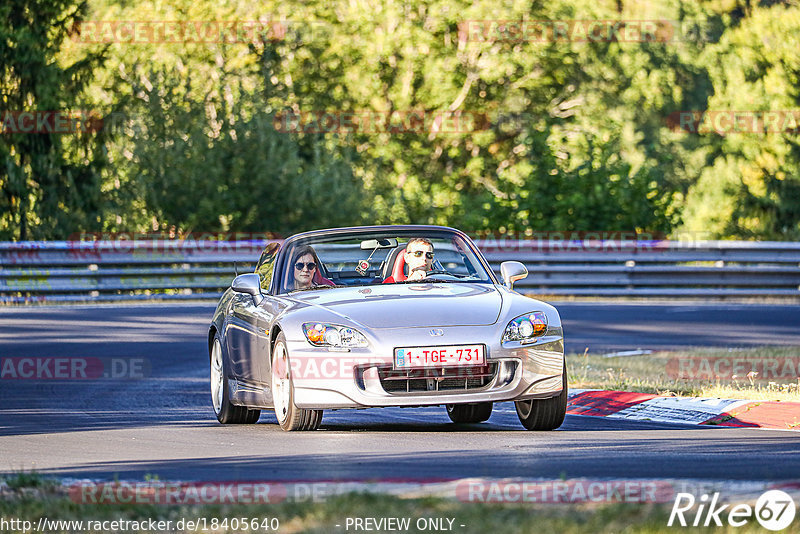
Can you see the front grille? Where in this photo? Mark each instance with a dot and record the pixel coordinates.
(439, 379)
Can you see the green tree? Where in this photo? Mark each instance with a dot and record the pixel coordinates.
(205, 165)
(577, 136)
(749, 187)
(195, 147)
(49, 182)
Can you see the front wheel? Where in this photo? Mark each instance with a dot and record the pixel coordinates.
(289, 416)
(226, 412)
(469, 413)
(544, 414)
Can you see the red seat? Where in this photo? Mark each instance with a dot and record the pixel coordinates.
(320, 280)
(398, 271)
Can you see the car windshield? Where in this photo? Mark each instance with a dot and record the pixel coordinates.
(360, 259)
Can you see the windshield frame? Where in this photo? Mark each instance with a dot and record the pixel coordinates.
(335, 234)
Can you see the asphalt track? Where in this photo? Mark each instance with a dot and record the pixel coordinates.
(163, 425)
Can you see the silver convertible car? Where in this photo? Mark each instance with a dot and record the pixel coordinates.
(383, 316)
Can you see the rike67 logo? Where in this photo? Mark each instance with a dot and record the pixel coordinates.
(774, 510)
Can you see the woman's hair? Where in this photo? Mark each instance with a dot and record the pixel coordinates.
(296, 255)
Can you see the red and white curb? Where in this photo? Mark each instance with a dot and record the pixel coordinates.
(686, 410)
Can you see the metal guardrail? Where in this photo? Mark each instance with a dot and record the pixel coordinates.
(653, 268)
(115, 270)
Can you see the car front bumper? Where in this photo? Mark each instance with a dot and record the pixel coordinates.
(360, 378)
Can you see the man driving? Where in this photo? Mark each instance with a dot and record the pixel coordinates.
(418, 257)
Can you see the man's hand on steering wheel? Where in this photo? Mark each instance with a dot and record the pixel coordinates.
(418, 273)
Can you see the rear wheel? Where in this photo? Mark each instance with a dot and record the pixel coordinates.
(469, 413)
(544, 414)
(289, 416)
(226, 412)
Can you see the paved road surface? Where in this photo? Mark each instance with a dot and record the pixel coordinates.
(164, 425)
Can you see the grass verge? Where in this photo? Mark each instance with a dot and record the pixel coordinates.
(765, 373)
(332, 515)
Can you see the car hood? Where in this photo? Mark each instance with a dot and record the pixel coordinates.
(410, 305)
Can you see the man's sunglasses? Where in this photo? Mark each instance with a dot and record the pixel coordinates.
(419, 253)
(310, 265)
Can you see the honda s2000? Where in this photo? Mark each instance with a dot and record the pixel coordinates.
(383, 316)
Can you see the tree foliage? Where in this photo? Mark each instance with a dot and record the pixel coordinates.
(750, 185)
(50, 184)
(574, 135)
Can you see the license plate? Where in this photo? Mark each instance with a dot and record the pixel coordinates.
(437, 356)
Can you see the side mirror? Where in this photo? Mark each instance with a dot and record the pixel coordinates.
(250, 284)
(511, 271)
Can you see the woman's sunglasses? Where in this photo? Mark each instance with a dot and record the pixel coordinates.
(419, 253)
(310, 265)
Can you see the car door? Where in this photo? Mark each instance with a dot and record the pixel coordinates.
(247, 330)
(269, 308)
(261, 318)
(242, 334)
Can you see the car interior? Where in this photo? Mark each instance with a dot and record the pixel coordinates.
(371, 261)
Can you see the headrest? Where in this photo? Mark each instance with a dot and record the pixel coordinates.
(398, 271)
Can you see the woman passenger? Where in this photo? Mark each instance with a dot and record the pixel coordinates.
(305, 269)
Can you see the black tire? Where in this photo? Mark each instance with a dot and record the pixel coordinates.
(544, 414)
(290, 417)
(469, 413)
(226, 412)
(252, 416)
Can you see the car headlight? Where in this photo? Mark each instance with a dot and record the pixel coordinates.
(332, 335)
(526, 328)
